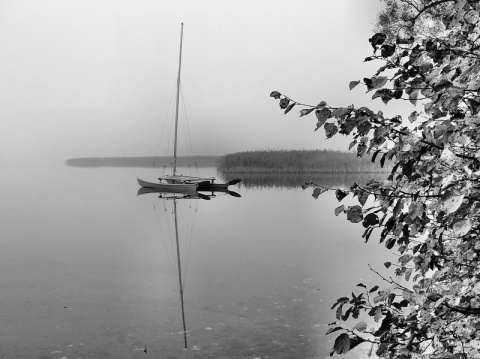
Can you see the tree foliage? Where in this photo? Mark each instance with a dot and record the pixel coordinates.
(428, 208)
(411, 18)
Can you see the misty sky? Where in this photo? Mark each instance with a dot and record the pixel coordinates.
(96, 78)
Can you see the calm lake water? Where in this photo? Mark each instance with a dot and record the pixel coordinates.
(88, 268)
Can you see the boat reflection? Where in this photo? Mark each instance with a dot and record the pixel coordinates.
(174, 197)
(194, 194)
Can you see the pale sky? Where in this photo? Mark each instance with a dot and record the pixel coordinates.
(86, 78)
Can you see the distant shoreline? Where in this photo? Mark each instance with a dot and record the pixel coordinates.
(265, 162)
(146, 161)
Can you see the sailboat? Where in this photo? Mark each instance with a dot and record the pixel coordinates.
(178, 183)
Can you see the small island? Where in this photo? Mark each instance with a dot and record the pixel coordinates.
(298, 162)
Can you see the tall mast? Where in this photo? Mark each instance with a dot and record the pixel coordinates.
(176, 106)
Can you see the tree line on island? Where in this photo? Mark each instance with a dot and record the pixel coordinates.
(428, 209)
(297, 162)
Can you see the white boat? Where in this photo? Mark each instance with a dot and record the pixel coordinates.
(176, 183)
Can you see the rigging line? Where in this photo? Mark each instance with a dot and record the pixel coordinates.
(172, 120)
(169, 136)
(163, 239)
(185, 242)
(170, 236)
(188, 253)
(190, 237)
(189, 136)
(164, 122)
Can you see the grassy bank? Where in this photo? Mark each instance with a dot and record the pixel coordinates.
(297, 161)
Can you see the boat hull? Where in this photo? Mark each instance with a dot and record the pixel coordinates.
(214, 187)
(170, 187)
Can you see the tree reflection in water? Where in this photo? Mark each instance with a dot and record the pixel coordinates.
(279, 180)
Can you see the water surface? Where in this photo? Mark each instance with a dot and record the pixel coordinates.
(88, 268)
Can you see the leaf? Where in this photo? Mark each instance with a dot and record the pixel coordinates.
(387, 264)
(354, 214)
(447, 156)
(319, 124)
(462, 227)
(347, 314)
(378, 314)
(363, 197)
(374, 156)
(408, 273)
(475, 209)
(367, 234)
(375, 82)
(342, 344)
(321, 105)
(474, 106)
(377, 40)
(330, 129)
(389, 244)
(451, 201)
(413, 116)
(442, 85)
(339, 312)
(364, 127)
(339, 210)
(275, 94)
(384, 327)
(415, 209)
(306, 111)
(287, 110)
(388, 50)
(339, 194)
(361, 326)
(339, 112)
(370, 219)
(382, 160)
(380, 132)
(382, 349)
(385, 94)
(362, 285)
(379, 81)
(361, 149)
(355, 341)
(284, 103)
(373, 289)
(322, 116)
(331, 330)
(403, 260)
(318, 191)
(369, 83)
(340, 300)
(413, 97)
(352, 84)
